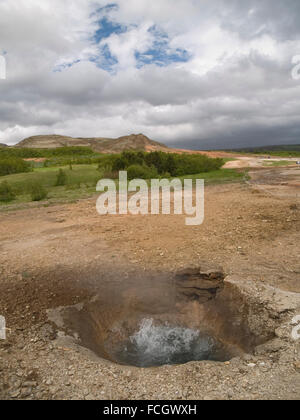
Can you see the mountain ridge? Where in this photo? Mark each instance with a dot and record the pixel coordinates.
(98, 144)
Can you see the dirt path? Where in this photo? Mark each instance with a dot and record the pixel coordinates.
(48, 257)
(279, 182)
(257, 162)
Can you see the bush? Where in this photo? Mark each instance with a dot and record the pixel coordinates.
(38, 192)
(24, 153)
(173, 164)
(6, 192)
(195, 164)
(110, 174)
(127, 159)
(141, 172)
(106, 162)
(13, 165)
(61, 178)
(163, 162)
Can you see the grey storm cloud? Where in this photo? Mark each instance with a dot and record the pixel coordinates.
(280, 19)
(234, 87)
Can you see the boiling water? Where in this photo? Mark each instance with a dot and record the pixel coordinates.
(157, 345)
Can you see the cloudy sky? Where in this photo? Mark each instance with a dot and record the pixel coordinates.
(190, 73)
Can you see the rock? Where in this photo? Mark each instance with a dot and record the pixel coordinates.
(32, 375)
(26, 392)
(19, 373)
(90, 397)
(247, 357)
(47, 332)
(297, 365)
(15, 393)
(29, 384)
(273, 346)
(54, 390)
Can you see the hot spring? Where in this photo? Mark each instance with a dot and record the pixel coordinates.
(156, 345)
(190, 316)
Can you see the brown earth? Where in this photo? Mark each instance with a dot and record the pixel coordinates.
(61, 255)
(37, 160)
(258, 162)
(212, 154)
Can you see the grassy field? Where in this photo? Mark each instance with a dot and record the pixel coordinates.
(81, 183)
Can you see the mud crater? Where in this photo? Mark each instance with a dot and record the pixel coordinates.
(190, 316)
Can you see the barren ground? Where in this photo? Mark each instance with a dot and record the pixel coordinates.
(48, 255)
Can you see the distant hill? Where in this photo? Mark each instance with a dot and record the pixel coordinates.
(100, 144)
(3, 145)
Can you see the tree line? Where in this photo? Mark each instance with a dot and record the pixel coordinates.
(150, 165)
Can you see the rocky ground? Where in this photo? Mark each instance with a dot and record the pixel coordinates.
(49, 257)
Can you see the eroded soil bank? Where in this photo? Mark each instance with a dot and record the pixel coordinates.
(66, 255)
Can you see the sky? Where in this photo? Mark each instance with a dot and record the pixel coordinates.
(200, 74)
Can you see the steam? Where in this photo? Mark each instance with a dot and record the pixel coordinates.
(156, 345)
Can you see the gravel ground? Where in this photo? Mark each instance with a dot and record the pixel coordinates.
(46, 253)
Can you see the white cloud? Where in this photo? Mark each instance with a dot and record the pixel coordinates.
(236, 86)
(125, 45)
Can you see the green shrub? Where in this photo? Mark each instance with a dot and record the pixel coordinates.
(109, 174)
(38, 192)
(195, 164)
(13, 165)
(173, 164)
(141, 172)
(163, 162)
(106, 162)
(24, 153)
(6, 192)
(166, 175)
(119, 165)
(61, 178)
